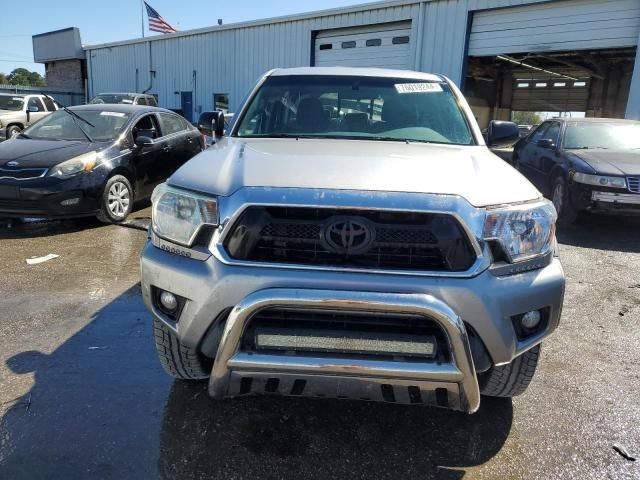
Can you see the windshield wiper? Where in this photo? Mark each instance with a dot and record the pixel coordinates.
(23, 135)
(75, 118)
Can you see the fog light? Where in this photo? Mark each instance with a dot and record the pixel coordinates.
(531, 319)
(70, 201)
(169, 301)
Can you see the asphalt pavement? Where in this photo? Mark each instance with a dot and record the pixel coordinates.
(83, 396)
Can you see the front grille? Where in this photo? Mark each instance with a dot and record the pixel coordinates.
(345, 324)
(22, 173)
(350, 238)
(20, 205)
(634, 184)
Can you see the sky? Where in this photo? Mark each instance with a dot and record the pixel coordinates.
(102, 21)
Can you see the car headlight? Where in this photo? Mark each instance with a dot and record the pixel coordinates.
(177, 215)
(523, 231)
(82, 163)
(600, 180)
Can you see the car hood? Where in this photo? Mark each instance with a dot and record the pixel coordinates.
(42, 153)
(471, 172)
(611, 162)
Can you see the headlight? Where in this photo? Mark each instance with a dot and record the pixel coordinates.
(523, 231)
(177, 214)
(82, 163)
(599, 180)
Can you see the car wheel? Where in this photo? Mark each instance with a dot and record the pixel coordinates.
(177, 359)
(511, 379)
(13, 130)
(567, 214)
(117, 200)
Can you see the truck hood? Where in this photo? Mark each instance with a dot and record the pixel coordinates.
(611, 162)
(31, 153)
(471, 172)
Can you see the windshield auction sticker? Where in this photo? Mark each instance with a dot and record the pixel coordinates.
(112, 114)
(429, 87)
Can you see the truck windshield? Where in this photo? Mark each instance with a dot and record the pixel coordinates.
(355, 108)
(11, 103)
(62, 126)
(611, 136)
(112, 98)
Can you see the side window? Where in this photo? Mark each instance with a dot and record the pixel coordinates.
(553, 132)
(538, 134)
(141, 101)
(172, 124)
(152, 101)
(35, 102)
(49, 104)
(147, 126)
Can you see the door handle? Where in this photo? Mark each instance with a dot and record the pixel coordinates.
(166, 148)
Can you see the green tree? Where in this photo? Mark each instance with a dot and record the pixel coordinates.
(22, 76)
(526, 118)
(3, 79)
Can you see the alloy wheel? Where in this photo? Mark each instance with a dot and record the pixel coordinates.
(118, 199)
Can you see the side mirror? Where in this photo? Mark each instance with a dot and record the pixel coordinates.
(143, 141)
(545, 143)
(211, 123)
(501, 133)
(33, 109)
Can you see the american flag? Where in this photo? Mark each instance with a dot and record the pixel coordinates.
(156, 22)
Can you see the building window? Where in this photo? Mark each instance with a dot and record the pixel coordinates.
(541, 84)
(400, 40)
(560, 84)
(579, 84)
(374, 42)
(523, 84)
(351, 44)
(326, 46)
(221, 102)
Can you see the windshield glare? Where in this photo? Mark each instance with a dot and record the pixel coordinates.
(602, 135)
(11, 103)
(62, 126)
(355, 108)
(99, 99)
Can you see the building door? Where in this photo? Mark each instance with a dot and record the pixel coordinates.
(383, 45)
(186, 105)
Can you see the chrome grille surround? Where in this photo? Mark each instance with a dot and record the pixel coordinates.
(634, 184)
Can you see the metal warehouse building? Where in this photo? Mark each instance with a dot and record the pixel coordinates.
(562, 55)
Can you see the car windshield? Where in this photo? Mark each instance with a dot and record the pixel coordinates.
(112, 98)
(612, 136)
(61, 125)
(11, 103)
(355, 107)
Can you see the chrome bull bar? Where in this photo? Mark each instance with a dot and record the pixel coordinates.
(345, 377)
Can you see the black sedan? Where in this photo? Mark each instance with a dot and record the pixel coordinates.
(92, 160)
(584, 164)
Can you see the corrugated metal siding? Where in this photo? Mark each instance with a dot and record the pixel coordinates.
(563, 25)
(231, 59)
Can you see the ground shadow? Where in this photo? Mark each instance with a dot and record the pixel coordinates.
(604, 232)
(102, 408)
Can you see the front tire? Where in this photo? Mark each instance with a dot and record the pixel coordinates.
(512, 379)
(177, 359)
(561, 199)
(117, 200)
(13, 130)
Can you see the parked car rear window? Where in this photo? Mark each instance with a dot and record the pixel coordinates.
(61, 126)
(11, 103)
(351, 107)
(612, 136)
(172, 123)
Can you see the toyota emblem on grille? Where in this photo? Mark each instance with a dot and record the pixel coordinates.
(348, 235)
(13, 164)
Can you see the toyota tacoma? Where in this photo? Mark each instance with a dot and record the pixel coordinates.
(351, 236)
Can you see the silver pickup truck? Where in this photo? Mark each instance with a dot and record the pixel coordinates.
(353, 237)
(19, 111)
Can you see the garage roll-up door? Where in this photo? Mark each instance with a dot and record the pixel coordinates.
(558, 25)
(384, 46)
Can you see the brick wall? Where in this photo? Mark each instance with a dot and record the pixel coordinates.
(65, 74)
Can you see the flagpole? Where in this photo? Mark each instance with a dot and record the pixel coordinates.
(142, 17)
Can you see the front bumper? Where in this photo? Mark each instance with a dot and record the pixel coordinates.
(50, 197)
(605, 200)
(486, 303)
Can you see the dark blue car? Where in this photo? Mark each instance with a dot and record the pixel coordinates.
(584, 164)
